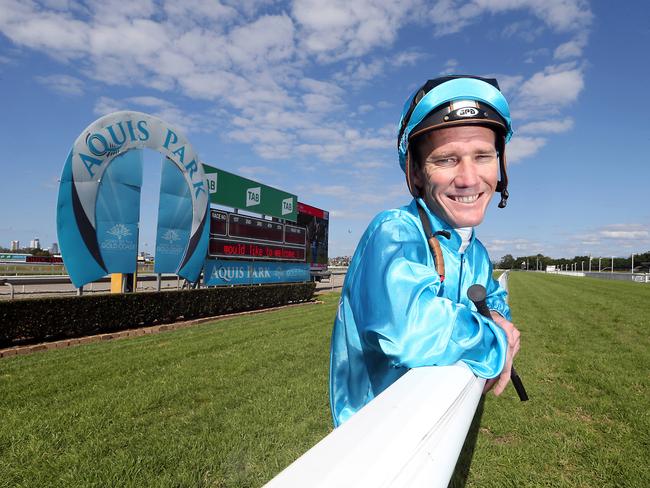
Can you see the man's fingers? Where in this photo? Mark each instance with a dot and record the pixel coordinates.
(514, 347)
(489, 384)
(513, 336)
(503, 380)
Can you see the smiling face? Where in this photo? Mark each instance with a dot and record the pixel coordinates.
(456, 171)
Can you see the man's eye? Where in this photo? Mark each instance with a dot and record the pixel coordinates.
(445, 162)
(485, 158)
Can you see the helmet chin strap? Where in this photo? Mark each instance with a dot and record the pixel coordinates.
(413, 189)
(502, 185)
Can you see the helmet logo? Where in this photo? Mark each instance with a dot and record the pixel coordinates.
(466, 112)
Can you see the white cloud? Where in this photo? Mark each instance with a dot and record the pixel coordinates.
(521, 147)
(340, 29)
(555, 87)
(191, 12)
(332, 190)
(450, 67)
(526, 30)
(167, 111)
(252, 67)
(534, 54)
(572, 48)
(407, 58)
(269, 39)
(57, 32)
(370, 165)
(363, 196)
(450, 16)
(63, 84)
(106, 105)
(350, 215)
(517, 247)
(365, 108)
(358, 73)
(247, 7)
(149, 101)
(509, 84)
(608, 240)
(547, 126)
(625, 232)
(256, 171)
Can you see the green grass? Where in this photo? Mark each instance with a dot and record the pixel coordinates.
(585, 363)
(230, 404)
(29, 269)
(225, 404)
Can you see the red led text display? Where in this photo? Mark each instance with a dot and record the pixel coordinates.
(239, 249)
(240, 236)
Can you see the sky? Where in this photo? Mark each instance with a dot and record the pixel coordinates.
(306, 96)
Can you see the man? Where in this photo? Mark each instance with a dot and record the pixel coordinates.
(404, 302)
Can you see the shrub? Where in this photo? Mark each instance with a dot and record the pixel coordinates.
(48, 319)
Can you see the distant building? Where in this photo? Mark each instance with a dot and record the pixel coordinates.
(15, 245)
(35, 243)
(55, 248)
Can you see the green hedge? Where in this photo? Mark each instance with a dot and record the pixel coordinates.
(47, 319)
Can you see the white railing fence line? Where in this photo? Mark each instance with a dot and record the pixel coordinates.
(410, 436)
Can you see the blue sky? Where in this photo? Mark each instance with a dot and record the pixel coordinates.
(306, 98)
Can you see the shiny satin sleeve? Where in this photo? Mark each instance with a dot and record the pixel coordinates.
(402, 312)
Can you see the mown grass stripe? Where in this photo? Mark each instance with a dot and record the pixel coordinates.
(231, 403)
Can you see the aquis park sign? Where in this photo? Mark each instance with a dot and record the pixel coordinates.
(98, 212)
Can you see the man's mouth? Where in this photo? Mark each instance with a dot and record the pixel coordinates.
(465, 198)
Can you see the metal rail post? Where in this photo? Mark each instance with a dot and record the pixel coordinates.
(11, 288)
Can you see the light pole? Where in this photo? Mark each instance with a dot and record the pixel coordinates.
(632, 270)
(599, 264)
(590, 264)
(583, 266)
(612, 270)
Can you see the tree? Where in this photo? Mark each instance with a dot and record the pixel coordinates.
(507, 262)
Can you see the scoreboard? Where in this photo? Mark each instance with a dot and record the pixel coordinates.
(240, 236)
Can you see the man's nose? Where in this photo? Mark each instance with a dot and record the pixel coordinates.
(467, 173)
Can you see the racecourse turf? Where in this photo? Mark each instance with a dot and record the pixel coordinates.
(229, 404)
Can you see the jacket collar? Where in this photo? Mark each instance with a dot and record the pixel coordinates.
(454, 241)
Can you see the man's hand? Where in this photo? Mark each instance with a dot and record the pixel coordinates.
(513, 335)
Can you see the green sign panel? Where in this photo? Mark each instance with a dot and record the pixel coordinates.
(237, 192)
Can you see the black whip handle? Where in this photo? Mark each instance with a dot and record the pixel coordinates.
(477, 294)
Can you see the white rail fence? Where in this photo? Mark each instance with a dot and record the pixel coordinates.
(409, 436)
(606, 275)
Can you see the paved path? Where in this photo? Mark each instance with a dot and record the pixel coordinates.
(52, 290)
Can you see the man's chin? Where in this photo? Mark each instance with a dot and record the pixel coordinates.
(463, 214)
(458, 214)
(466, 217)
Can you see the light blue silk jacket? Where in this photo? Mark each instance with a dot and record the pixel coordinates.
(396, 314)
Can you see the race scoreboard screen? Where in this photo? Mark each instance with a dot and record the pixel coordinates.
(240, 236)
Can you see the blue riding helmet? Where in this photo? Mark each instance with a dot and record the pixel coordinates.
(455, 100)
